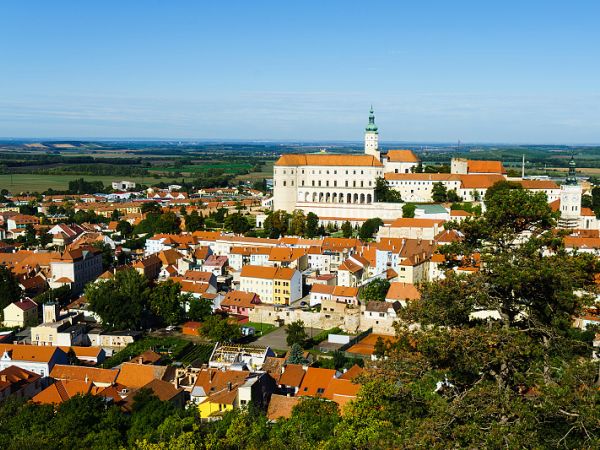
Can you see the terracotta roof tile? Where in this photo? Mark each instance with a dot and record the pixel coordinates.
(328, 160)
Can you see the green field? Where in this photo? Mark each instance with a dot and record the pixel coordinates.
(201, 168)
(39, 183)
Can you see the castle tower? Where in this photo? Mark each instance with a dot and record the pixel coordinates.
(570, 199)
(372, 137)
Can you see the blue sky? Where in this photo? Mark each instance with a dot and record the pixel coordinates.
(503, 71)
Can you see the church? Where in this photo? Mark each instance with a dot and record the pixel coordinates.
(340, 186)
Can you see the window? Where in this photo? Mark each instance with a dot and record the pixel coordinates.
(320, 390)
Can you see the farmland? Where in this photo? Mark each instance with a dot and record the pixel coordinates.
(28, 182)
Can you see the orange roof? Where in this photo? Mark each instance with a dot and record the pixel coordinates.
(345, 291)
(281, 406)
(13, 377)
(434, 177)
(62, 391)
(479, 181)
(83, 373)
(315, 381)
(198, 276)
(341, 390)
(137, 375)
(83, 352)
(405, 222)
(240, 299)
(538, 184)
(292, 375)
(22, 352)
(367, 345)
(476, 166)
(271, 273)
(402, 156)
(322, 289)
(327, 159)
(402, 291)
(352, 372)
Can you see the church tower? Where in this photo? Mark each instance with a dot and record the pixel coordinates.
(570, 199)
(372, 137)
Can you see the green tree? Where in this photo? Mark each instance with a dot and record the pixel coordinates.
(408, 210)
(296, 333)
(312, 225)
(276, 224)
(167, 302)
(297, 223)
(369, 228)
(439, 193)
(194, 222)
(380, 348)
(150, 207)
(122, 301)
(200, 309)
(220, 329)
(125, 228)
(383, 192)
(237, 223)
(375, 290)
(10, 291)
(347, 229)
(296, 355)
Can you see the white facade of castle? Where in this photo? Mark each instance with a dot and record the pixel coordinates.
(336, 185)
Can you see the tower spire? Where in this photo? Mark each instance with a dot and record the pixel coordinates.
(572, 175)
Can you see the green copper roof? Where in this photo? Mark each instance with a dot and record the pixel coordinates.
(572, 175)
(371, 126)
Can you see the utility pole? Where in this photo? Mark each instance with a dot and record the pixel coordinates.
(523, 168)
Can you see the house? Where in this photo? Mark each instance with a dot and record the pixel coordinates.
(353, 271)
(21, 313)
(19, 222)
(239, 302)
(342, 294)
(412, 228)
(218, 391)
(281, 406)
(191, 328)
(225, 356)
(98, 377)
(315, 381)
(273, 284)
(33, 358)
(290, 379)
(61, 391)
(149, 266)
(19, 383)
(380, 316)
(215, 264)
(75, 268)
(165, 392)
(113, 339)
(403, 293)
(135, 376)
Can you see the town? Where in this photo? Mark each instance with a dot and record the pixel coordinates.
(217, 301)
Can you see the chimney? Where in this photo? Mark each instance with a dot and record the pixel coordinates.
(229, 386)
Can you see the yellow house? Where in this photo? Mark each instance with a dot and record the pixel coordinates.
(21, 313)
(217, 404)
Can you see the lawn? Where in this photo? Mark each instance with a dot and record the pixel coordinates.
(261, 328)
(39, 183)
(172, 347)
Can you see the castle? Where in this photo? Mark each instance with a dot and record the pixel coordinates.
(340, 186)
